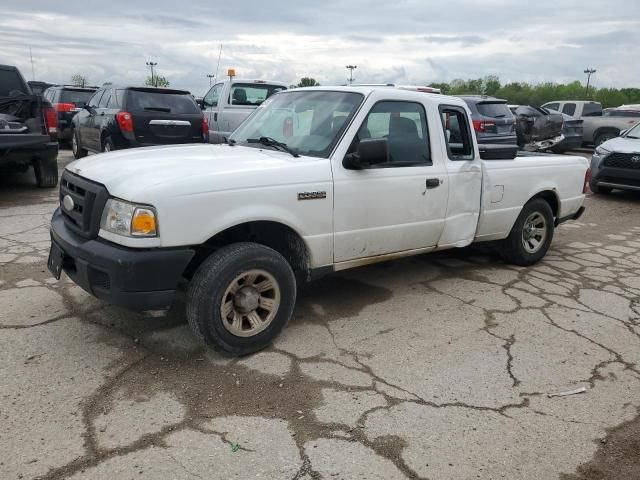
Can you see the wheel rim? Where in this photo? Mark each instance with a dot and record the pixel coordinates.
(74, 144)
(107, 147)
(534, 232)
(250, 303)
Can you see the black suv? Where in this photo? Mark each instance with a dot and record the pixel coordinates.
(68, 100)
(493, 122)
(125, 117)
(28, 129)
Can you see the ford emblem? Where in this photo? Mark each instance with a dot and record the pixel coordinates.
(68, 203)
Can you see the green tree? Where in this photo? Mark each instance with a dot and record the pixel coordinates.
(79, 80)
(157, 81)
(308, 82)
(490, 85)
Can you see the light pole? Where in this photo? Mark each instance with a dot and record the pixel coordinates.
(589, 71)
(351, 68)
(152, 64)
(211, 76)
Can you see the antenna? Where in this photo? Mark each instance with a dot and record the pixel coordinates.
(33, 72)
(219, 55)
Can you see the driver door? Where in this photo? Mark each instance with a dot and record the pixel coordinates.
(210, 102)
(395, 206)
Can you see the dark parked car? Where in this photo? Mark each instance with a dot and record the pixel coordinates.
(493, 122)
(68, 100)
(537, 128)
(28, 129)
(571, 131)
(615, 164)
(125, 117)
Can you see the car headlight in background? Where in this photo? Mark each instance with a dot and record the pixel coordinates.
(602, 151)
(128, 219)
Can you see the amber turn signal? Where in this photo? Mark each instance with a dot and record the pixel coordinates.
(143, 223)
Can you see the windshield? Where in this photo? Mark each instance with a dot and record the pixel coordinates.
(309, 122)
(634, 132)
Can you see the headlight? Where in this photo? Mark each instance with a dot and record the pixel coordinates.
(128, 219)
(602, 151)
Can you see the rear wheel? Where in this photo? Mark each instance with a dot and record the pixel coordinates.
(531, 235)
(46, 173)
(241, 298)
(107, 144)
(603, 137)
(76, 147)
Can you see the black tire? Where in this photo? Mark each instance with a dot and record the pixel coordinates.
(603, 137)
(208, 289)
(76, 146)
(598, 189)
(46, 173)
(107, 144)
(514, 250)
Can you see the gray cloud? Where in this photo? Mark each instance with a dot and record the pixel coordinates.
(402, 42)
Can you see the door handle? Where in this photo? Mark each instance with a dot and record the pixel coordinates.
(433, 183)
(215, 117)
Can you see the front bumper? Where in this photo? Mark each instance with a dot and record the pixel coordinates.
(618, 178)
(138, 279)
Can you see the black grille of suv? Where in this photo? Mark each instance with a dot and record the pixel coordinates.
(623, 160)
(88, 198)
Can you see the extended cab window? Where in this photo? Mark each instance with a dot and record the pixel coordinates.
(251, 93)
(404, 125)
(569, 108)
(213, 95)
(457, 133)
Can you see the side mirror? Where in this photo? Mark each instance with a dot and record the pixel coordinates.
(371, 151)
(89, 109)
(200, 102)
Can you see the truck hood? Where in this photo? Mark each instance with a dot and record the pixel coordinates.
(141, 174)
(622, 145)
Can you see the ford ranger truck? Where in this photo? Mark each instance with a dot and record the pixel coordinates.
(317, 180)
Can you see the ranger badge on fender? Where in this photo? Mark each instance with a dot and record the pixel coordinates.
(311, 195)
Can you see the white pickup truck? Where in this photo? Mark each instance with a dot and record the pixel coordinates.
(228, 103)
(317, 180)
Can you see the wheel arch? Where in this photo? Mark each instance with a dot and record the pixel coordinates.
(551, 197)
(600, 130)
(273, 234)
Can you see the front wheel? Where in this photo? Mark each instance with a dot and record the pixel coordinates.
(604, 137)
(241, 298)
(108, 145)
(531, 235)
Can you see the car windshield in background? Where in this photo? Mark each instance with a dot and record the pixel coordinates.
(494, 109)
(77, 97)
(252, 93)
(308, 122)
(154, 101)
(592, 110)
(10, 84)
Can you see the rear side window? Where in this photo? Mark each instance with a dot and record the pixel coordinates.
(252, 93)
(494, 109)
(569, 108)
(77, 97)
(10, 82)
(150, 101)
(457, 132)
(592, 110)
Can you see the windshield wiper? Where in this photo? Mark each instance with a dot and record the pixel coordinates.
(631, 136)
(272, 142)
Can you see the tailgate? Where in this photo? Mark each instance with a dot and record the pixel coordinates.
(162, 128)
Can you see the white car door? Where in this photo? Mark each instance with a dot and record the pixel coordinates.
(211, 109)
(397, 205)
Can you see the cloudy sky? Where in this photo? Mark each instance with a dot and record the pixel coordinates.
(401, 41)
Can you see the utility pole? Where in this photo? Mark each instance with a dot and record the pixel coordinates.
(589, 71)
(211, 77)
(351, 68)
(33, 72)
(152, 64)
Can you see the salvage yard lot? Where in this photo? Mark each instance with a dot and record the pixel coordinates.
(433, 367)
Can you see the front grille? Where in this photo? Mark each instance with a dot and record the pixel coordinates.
(623, 160)
(88, 202)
